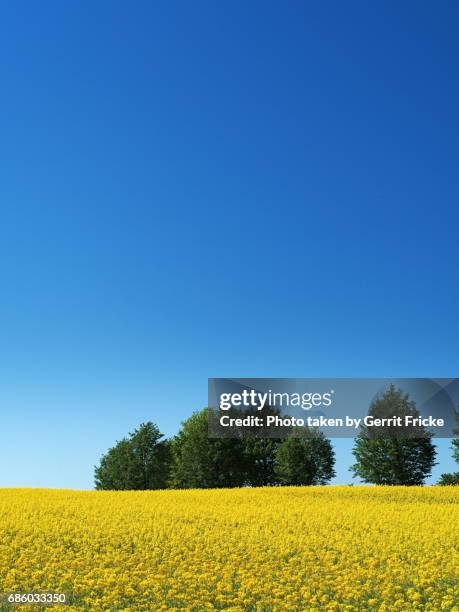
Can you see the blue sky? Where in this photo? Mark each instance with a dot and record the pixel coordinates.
(217, 189)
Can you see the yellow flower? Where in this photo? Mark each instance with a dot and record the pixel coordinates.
(313, 548)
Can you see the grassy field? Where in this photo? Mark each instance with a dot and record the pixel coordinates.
(327, 548)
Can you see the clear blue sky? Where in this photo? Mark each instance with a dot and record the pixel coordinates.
(217, 189)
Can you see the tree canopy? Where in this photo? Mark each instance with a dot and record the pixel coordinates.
(199, 461)
(453, 478)
(140, 461)
(397, 457)
(305, 460)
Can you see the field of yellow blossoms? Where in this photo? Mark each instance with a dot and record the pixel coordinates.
(316, 548)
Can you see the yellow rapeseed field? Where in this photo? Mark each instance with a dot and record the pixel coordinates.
(317, 548)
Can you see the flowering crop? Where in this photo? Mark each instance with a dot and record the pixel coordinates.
(314, 548)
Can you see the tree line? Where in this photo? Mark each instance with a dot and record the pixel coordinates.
(191, 459)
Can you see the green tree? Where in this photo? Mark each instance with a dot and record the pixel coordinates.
(391, 455)
(260, 454)
(456, 439)
(449, 479)
(140, 461)
(199, 461)
(453, 479)
(305, 460)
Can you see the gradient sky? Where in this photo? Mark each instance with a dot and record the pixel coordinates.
(217, 189)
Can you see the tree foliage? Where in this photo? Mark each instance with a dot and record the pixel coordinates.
(260, 461)
(305, 460)
(140, 461)
(192, 459)
(449, 479)
(393, 457)
(199, 461)
(202, 462)
(456, 439)
(453, 478)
